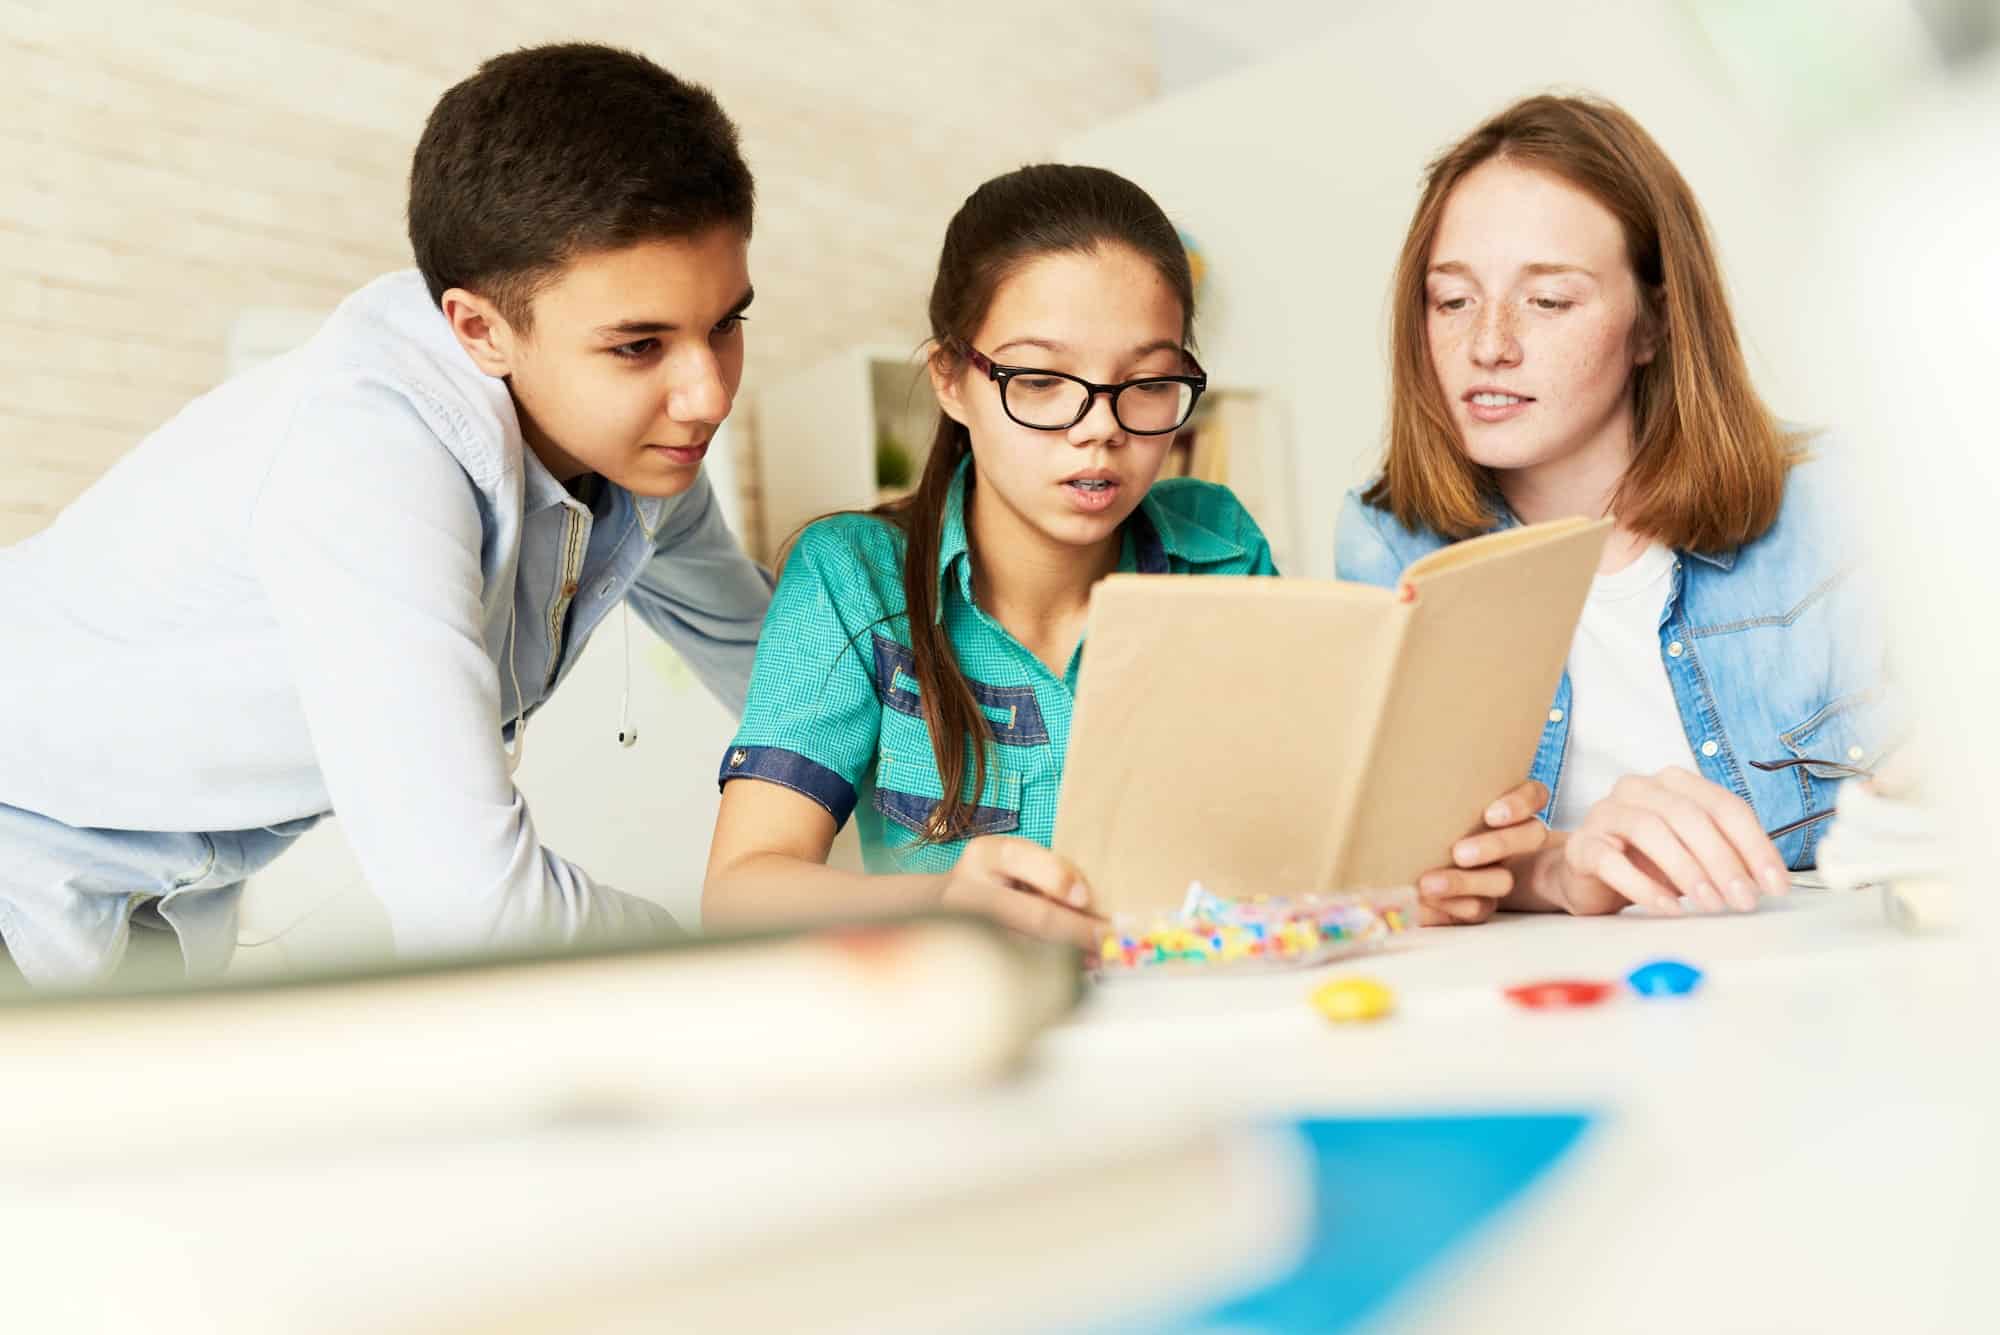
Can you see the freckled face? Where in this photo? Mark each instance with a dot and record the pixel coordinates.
(1533, 319)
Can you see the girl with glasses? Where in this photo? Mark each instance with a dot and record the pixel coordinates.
(1563, 346)
(918, 668)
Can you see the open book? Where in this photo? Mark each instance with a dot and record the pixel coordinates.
(1287, 736)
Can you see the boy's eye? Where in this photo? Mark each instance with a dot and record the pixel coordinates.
(730, 324)
(636, 350)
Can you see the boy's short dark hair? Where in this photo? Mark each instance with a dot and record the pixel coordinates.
(554, 151)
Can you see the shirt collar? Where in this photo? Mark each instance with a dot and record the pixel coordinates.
(1179, 536)
(1724, 560)
(540, 490)
(1157, 534)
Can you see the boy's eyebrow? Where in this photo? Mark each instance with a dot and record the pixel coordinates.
(1053, 345)
(642, 328)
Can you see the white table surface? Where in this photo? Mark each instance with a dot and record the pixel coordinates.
(1806, 1144)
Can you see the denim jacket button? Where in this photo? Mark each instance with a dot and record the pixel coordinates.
(1555, 716)
(1709, 748)
(1675, 650)
(1855, 753)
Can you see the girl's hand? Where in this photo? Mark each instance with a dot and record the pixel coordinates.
(1481, 875)
(1656, 841)
(1023, 886)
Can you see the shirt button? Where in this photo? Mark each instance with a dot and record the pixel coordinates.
(1675, 650)
(1555, 716)
(1855, 753)
(1709, 748)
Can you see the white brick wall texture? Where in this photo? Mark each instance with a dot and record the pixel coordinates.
(165, 166)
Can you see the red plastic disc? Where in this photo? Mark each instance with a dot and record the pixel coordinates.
(1558, 993)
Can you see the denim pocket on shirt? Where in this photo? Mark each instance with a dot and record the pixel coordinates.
(1011, 711)
(999, 814)
(1847, 731)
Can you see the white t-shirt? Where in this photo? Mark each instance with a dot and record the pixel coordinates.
(1623, 719)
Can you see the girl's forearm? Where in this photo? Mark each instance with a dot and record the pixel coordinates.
(764, 888)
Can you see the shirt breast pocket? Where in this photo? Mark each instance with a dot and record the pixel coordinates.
(907, 794)
(1851, 732)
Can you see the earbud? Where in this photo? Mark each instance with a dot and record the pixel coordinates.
(628, 736)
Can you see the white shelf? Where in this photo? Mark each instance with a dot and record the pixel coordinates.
(817, 430)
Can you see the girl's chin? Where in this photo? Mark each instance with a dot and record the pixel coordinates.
(1086, 530)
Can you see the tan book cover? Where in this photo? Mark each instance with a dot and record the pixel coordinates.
(1286, 736)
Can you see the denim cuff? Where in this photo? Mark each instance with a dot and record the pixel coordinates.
(789, 769)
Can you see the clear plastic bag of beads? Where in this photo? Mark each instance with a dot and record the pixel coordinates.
(1213, 933)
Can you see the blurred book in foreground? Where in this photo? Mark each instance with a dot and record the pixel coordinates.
(682, 1027)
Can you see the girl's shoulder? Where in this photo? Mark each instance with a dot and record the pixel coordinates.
(1371, 545)
(1819, 521)
(849, 543)
(849, 566)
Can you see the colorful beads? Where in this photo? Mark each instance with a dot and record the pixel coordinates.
(1213, 930)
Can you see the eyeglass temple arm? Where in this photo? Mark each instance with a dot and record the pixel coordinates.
(1772, 766)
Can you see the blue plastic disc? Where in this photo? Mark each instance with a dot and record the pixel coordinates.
(1664, 978)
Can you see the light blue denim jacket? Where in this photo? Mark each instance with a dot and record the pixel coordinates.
(1773, 650)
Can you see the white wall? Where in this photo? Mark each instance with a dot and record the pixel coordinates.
(1298, 176)
(165, 164)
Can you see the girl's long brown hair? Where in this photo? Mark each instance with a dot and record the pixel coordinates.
(1012, 219)
(1709, 459)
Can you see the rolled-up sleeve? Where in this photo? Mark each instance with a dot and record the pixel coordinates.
(813, 719)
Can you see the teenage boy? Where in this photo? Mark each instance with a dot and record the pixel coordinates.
(345, 580)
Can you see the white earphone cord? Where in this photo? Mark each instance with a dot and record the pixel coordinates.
(627, 734)
(514, 749)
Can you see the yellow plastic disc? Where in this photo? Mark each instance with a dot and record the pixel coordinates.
(1346, 999)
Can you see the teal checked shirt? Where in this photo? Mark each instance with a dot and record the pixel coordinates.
(834, 712)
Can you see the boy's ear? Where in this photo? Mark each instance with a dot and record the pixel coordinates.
(481, 330)
(946, 374)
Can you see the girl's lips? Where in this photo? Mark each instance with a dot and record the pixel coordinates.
(1496, 412)
(1091, 500)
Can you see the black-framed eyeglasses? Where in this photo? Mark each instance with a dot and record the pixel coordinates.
(1842, 771)
(1054, 401)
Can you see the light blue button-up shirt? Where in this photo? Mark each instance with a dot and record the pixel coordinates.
(332, 584)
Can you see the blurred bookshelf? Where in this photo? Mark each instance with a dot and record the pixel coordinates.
(822, 429)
